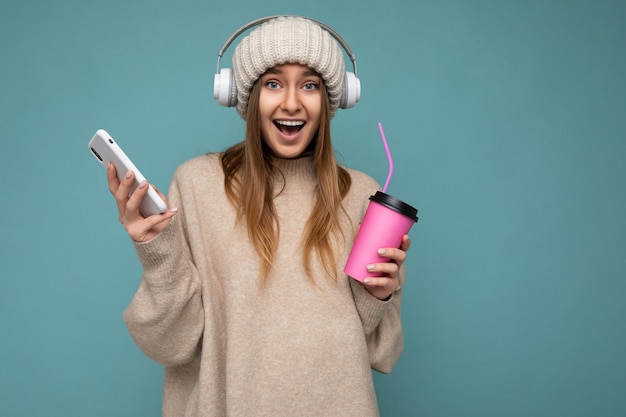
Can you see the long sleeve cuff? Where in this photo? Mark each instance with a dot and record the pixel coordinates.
(371, 309)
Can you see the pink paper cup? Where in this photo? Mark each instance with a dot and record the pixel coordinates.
(386, 220)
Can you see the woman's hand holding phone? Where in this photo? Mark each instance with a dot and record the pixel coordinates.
(140, 229)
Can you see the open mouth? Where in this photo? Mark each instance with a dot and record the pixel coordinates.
(289, 127)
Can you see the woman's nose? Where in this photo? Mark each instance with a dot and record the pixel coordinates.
(291, 101)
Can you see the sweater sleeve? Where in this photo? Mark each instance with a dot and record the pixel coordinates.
(382, 325)
(165, 317)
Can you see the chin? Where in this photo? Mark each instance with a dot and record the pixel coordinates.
(289, 155)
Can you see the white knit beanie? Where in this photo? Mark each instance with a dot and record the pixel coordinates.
(288, 39)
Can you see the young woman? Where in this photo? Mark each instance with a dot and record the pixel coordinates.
(243, 299)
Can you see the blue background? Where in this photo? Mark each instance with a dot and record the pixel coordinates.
(507, 121)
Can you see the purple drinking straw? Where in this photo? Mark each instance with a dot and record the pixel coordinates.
(382, 135)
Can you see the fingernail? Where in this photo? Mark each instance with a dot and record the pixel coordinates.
(382, 251)
(142, 184)
(128, 174)
(370, 267)
(367, 280)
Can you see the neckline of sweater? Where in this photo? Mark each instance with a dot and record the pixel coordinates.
(296, 168)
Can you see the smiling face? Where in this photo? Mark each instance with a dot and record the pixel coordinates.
(290, 106)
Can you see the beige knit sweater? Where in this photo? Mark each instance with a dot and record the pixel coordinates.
(233, 348)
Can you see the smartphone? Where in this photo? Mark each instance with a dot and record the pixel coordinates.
(105, 150)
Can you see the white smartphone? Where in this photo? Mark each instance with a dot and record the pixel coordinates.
(105, 150)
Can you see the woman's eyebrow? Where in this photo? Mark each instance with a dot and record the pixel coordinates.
(305, 73)
(310, 72)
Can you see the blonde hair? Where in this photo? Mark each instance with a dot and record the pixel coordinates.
(248, 171)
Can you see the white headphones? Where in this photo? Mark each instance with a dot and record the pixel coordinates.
(225, 90)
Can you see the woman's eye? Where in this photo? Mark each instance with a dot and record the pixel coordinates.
(310, 86)
(272, 84)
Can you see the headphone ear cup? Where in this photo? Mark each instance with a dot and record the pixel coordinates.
(351, 92)
(224, 88)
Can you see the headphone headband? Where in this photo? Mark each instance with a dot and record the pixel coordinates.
(262, 20)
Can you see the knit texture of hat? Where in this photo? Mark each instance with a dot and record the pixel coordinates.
(293, 40)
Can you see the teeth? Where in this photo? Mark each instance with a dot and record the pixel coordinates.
(290, 122)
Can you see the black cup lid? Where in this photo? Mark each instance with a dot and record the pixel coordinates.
(395, 204)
